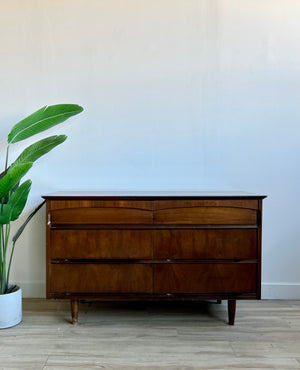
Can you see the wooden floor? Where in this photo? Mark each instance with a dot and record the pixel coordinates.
(154, 336)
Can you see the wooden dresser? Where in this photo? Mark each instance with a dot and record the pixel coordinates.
(154, 246)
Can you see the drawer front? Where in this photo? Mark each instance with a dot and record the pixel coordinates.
(100, 278)
(101, 244)
(205, 278)
(79, 203)
(180, 203)
(100, 216)
(205, 213)
(200, 244)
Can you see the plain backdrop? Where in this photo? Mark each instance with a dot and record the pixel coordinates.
(178, 95)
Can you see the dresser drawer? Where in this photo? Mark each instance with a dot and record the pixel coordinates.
(100, 216)
(209, 244)
(86, 203)
(205, 278)
(101, 244)
(205, 213)
(100, 278)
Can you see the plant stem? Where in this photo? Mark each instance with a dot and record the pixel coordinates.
(2, 275)
(3, 282)
(4, 236)
(7, 232)
(2, 265)
(5, 170)
(6, 159)
(10, 260)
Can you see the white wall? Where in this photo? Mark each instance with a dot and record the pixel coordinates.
(178, 94)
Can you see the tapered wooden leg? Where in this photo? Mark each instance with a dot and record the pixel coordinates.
(231, 311)
(74, 311)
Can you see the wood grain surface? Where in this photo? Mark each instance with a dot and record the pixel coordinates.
(101, 244)
(154, 336)
(206, 216)
(204, 278)
(101, 278)
(198, 244)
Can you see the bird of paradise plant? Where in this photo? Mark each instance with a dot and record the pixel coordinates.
(13, 194)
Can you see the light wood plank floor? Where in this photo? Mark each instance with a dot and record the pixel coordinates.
(148, 336)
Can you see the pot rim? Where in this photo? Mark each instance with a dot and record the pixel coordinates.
(15, 289)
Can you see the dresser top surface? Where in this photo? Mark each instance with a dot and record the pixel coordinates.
(152, 195)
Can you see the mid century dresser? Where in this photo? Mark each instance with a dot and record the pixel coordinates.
(154, 246)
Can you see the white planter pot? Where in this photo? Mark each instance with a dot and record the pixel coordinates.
(11, 308)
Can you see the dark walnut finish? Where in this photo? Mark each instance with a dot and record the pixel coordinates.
(154, 246)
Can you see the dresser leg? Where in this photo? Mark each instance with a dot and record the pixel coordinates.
(74, 311)
(231, 310)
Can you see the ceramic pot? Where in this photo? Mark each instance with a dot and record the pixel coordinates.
(11, 308)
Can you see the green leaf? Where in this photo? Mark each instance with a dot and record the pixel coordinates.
(22, 227)
(42, 120)
(36, 150)
(12, 177)
(4, 216)
(16, 203)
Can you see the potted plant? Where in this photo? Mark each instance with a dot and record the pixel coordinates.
(14, 194)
